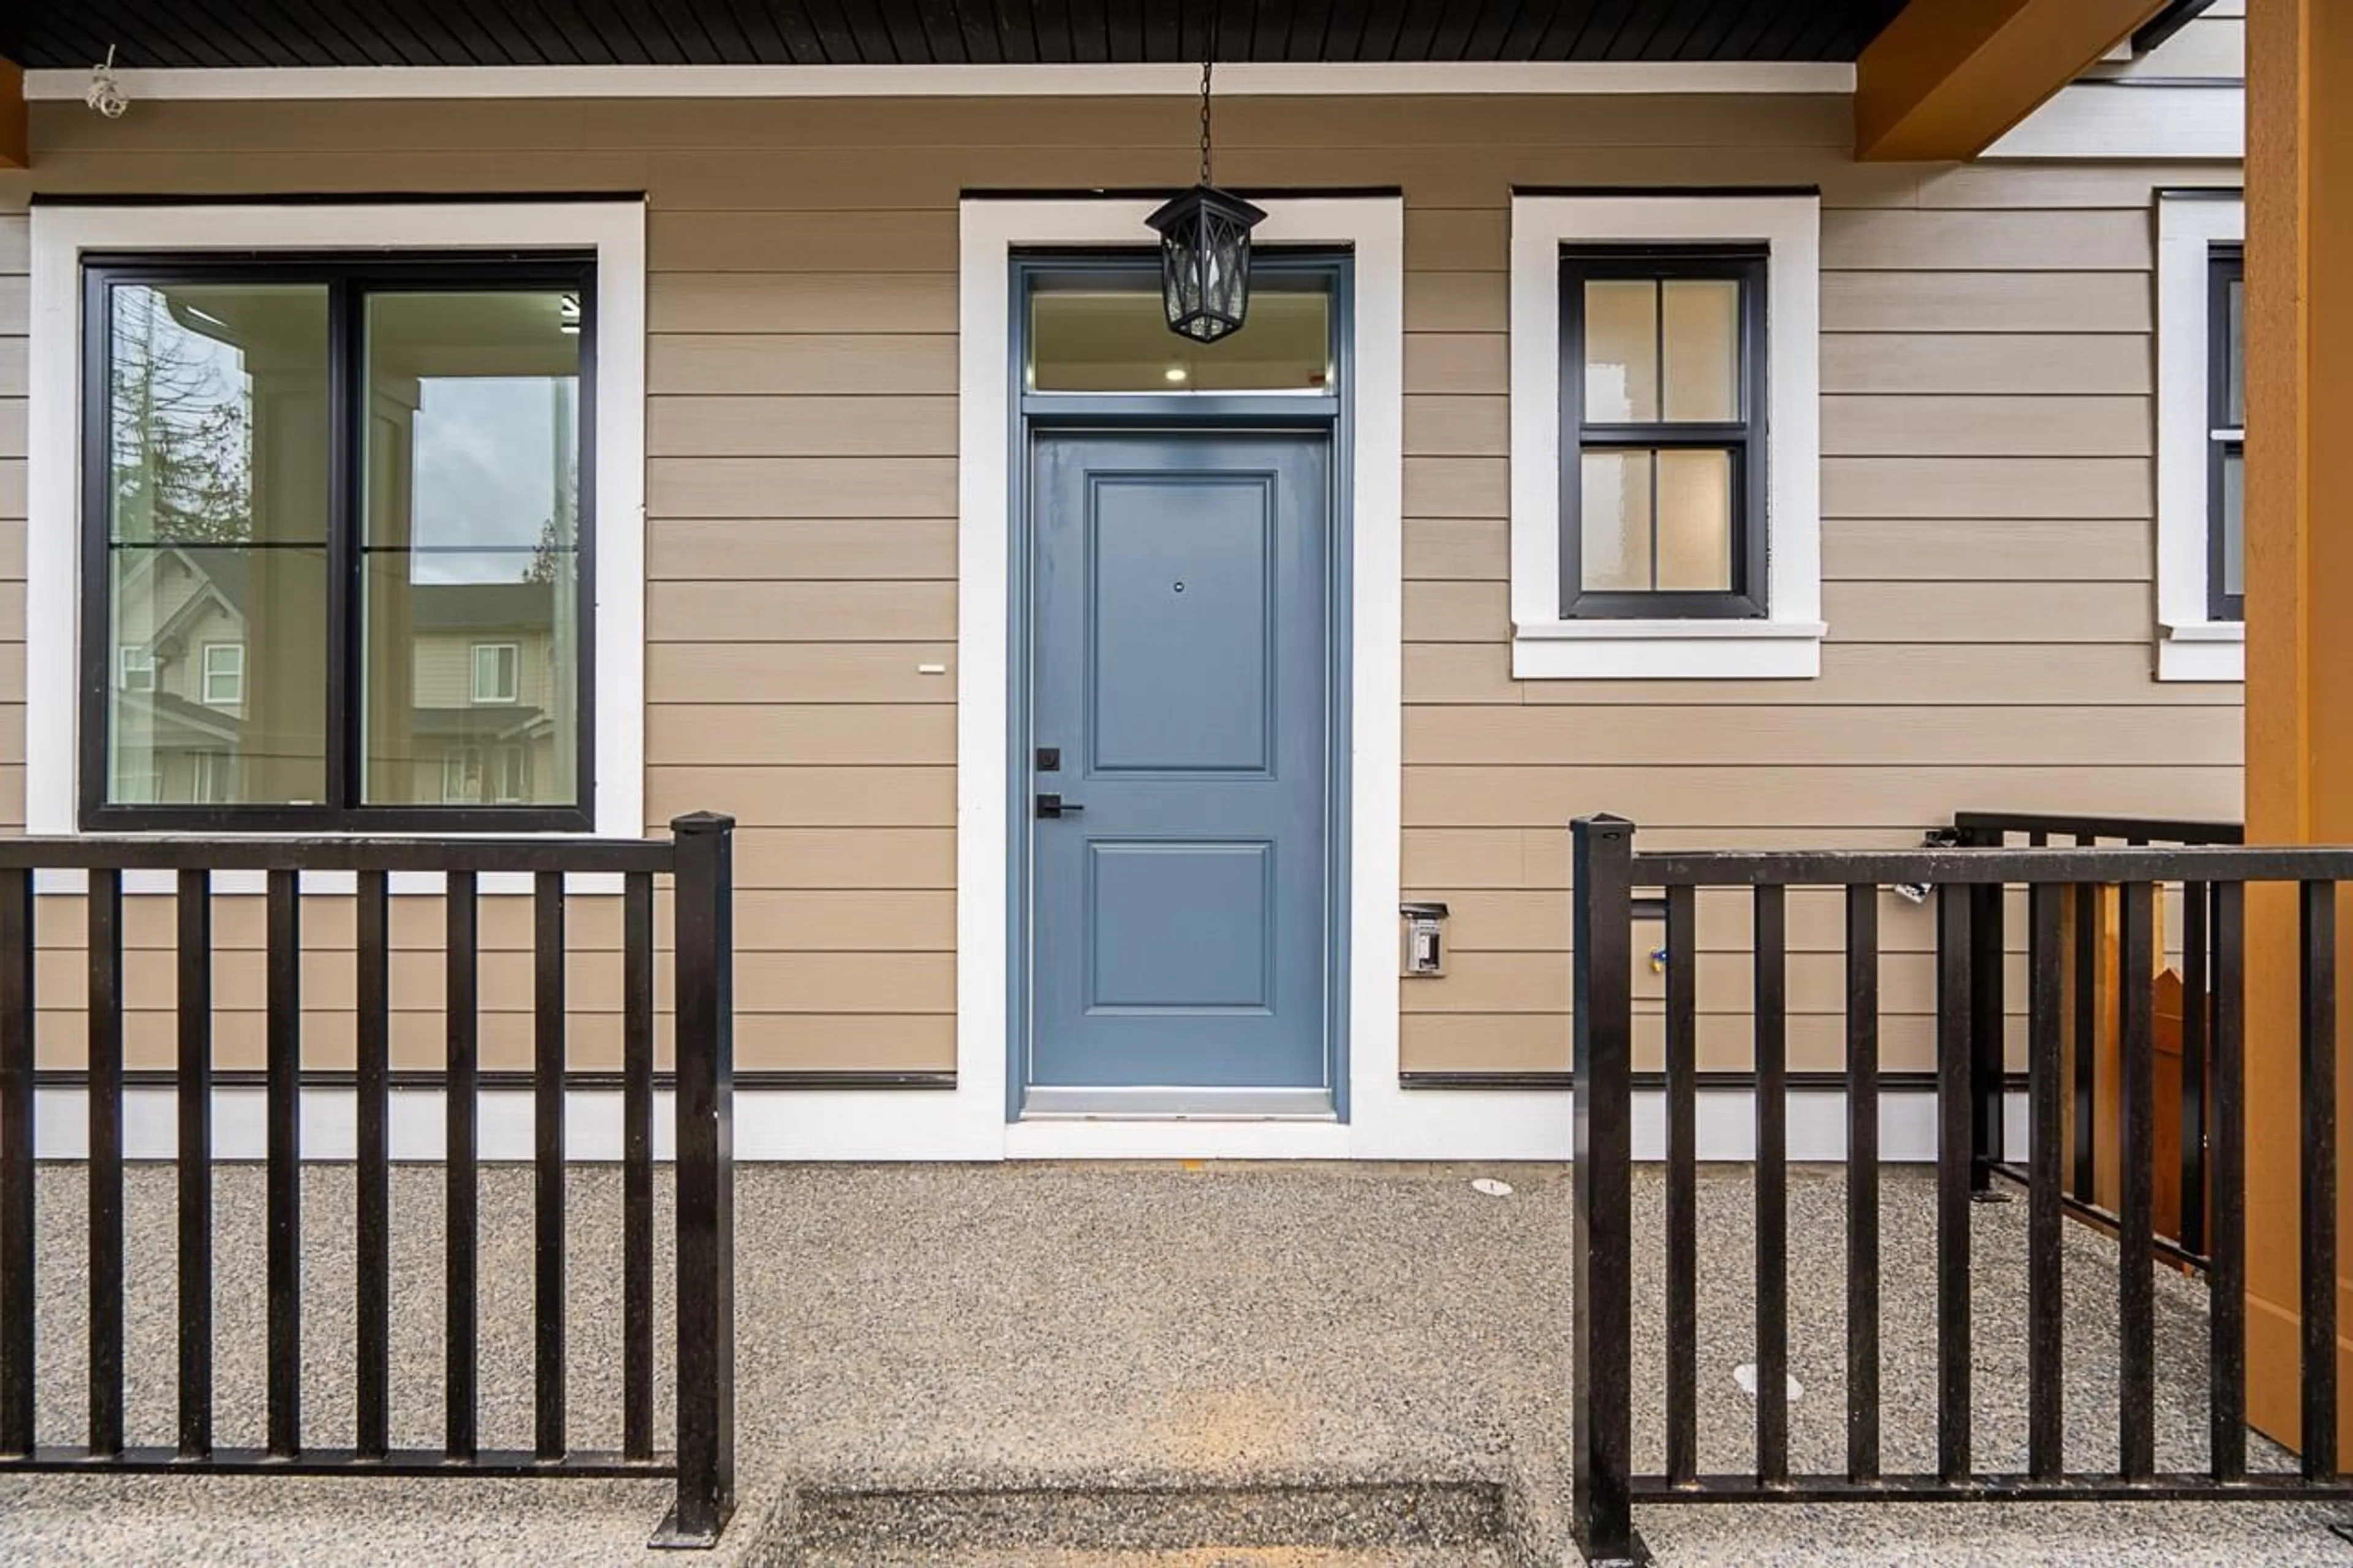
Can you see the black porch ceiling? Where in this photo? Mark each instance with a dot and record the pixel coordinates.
(155, 34)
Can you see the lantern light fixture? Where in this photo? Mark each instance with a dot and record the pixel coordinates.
(1205, 248)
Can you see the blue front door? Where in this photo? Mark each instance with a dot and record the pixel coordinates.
(1179, 695)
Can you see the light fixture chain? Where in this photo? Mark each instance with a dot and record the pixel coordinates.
(1205, 67)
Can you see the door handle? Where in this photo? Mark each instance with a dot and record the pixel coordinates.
(1050, 805)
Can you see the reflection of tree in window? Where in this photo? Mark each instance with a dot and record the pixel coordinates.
(183, 433)
(216, 505)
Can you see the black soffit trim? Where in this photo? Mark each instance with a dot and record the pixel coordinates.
(172, 34)
(1812, 1082)
(2235, 83)
(507, 1079)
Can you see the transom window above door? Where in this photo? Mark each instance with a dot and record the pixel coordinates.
(317, 492)
(1102, 328)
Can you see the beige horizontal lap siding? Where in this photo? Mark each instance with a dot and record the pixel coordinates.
(16, 260)
(1986, 420)
(2211, 46)
(1988, 430)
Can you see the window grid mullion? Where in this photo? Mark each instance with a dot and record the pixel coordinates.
(1681, 434)
(1654, 520)
(347, 404)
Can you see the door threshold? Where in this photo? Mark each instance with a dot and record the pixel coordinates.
(1169, 1104)
(1037, 1118)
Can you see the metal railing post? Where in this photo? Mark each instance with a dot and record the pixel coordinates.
(1988, 1069)
(706, 1181)
(1602, 1405)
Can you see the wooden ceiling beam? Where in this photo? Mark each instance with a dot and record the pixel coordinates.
(1948, 77)
(16, 137)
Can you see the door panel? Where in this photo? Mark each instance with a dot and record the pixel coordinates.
(1178, 668)
(1166, 698)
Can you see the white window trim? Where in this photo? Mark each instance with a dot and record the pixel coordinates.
(2190, 645)
(615, 230)
(474, 674)
(1787, 644)
(205, 675)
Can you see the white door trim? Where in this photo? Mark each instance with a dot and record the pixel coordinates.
(1373, 229)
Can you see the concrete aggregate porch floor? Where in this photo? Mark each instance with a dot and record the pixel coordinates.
(1257, 1328)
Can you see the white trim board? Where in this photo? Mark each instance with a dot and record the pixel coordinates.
(1381, 1125)
(2190, 646)
(1240, 80)
(615, 229)
(1788, 644)
(791, 1124)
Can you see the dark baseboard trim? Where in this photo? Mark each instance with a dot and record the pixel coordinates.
(1890, 1082)
(413, 1079)
(1160, 193)
(321, 198)
(1483, 1080)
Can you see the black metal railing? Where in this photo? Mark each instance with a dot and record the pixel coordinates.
(2083, 1024)
(697, 860)
(1608, 873)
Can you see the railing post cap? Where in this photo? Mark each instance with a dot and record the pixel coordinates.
(1602, 822)
(703, 822)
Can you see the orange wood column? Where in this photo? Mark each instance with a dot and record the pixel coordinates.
(16, 140)
(2299, 477)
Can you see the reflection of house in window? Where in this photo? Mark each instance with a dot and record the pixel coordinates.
(496, 775)
(224, 674)
(213, 778)
(497, 666)
(484, 677)
(180, 725)
(134, 668)
(461, 776)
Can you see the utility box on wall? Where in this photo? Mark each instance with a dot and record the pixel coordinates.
(1425, 941)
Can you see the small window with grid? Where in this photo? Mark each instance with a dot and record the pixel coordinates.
(2226, 433)
(1663, 394)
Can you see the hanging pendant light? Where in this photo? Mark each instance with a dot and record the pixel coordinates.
(1204, 248)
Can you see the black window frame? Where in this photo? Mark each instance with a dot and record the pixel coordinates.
(349, 279)
(1745, 437)
(2225, 265)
